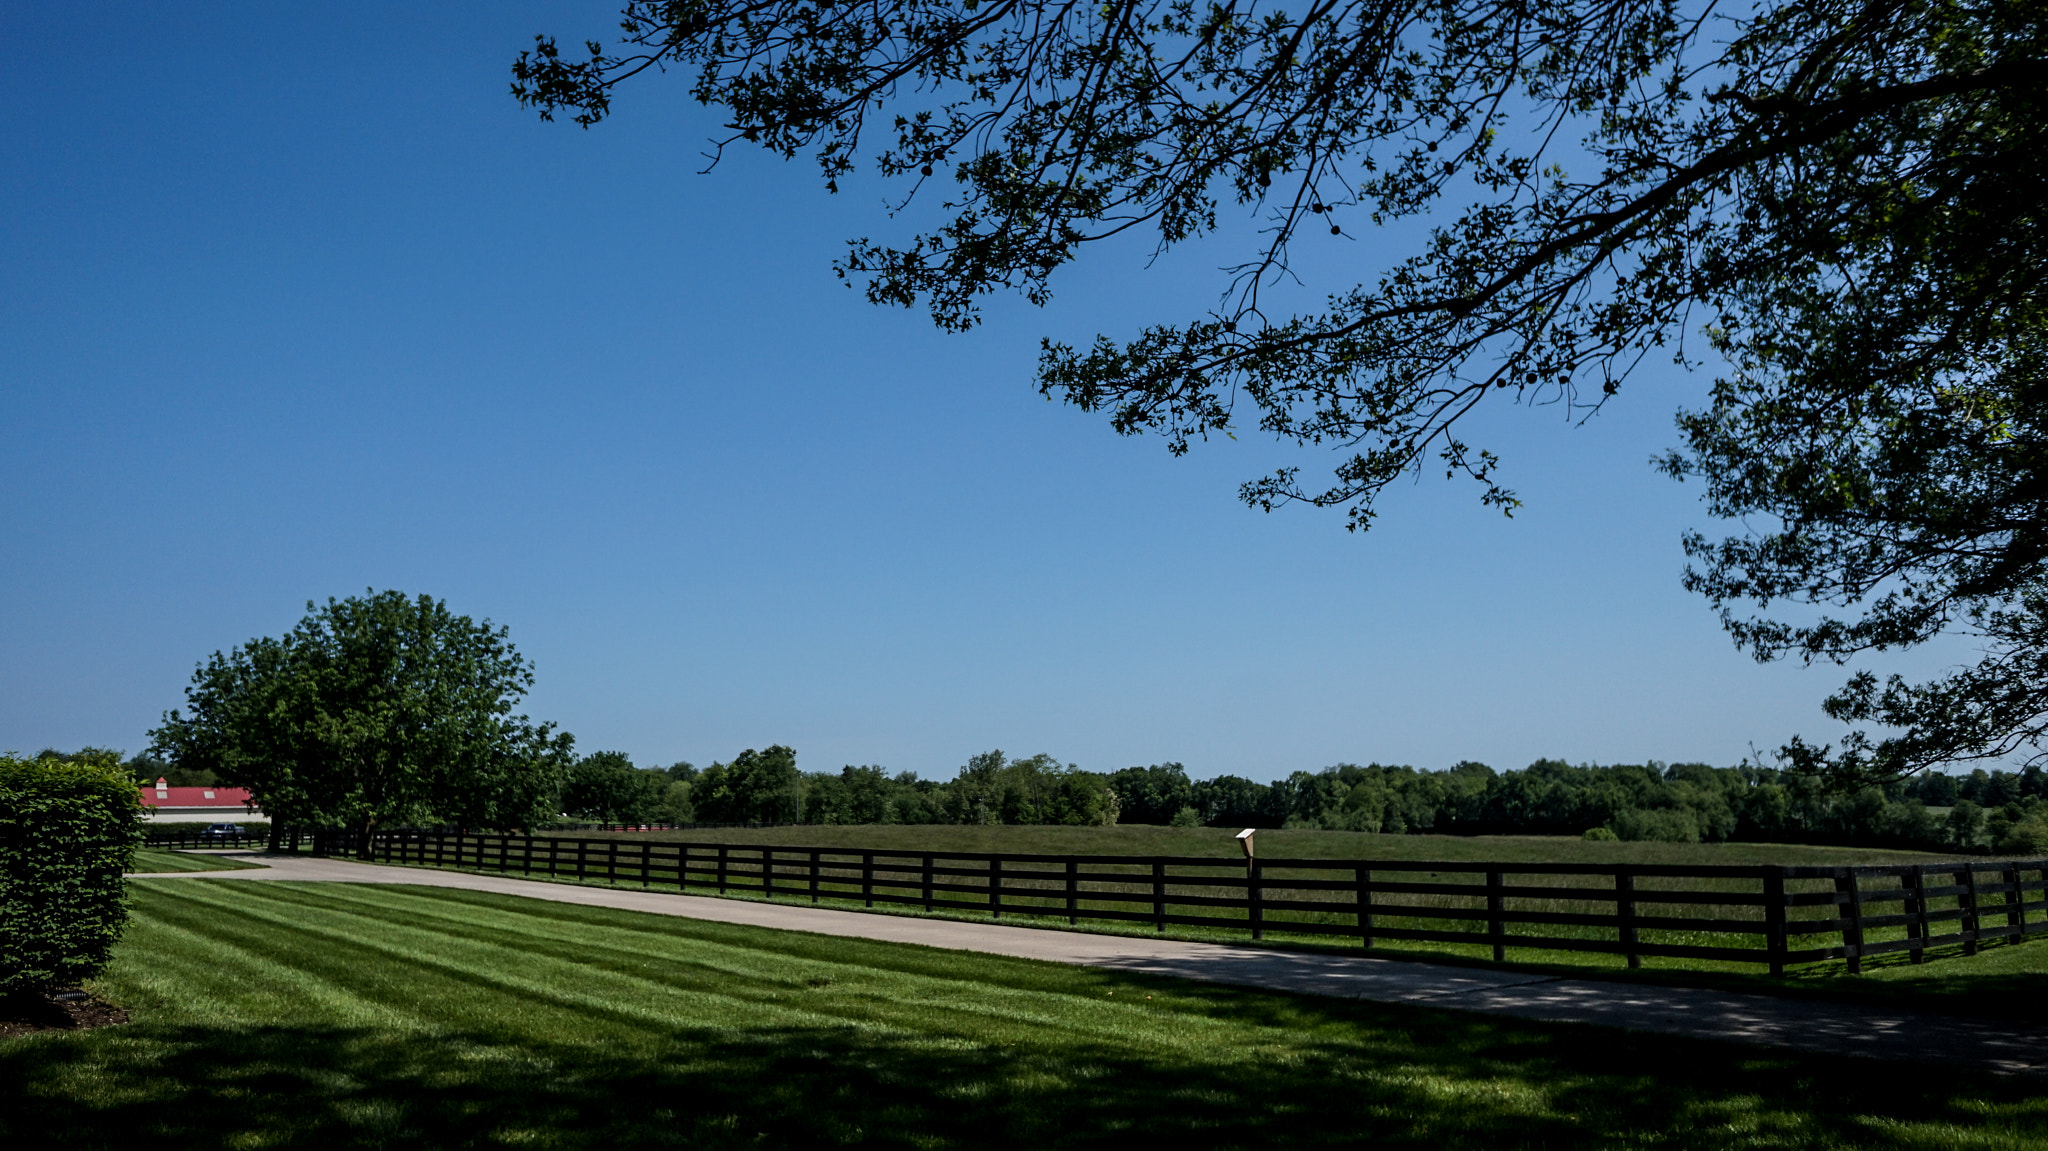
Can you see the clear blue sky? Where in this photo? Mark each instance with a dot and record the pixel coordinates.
(298, 302)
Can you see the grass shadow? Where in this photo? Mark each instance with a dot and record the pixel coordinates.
(1390, 1077)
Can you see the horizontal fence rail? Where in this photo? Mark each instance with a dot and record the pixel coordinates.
(203, 839)
(1768, 915)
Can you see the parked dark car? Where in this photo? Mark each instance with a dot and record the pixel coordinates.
(222, 831)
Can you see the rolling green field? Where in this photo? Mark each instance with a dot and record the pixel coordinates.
(149, 860)
(1138, 839)
(326, 1015)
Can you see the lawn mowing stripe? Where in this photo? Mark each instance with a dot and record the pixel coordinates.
(416, 947)
(424, 954)
(575, 934)
(257, 972)
(592, 948)
(963, 1002)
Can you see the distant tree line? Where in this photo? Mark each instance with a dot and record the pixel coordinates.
(766, 786)
(1683, 802)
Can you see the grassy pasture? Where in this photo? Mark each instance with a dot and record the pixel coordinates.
(150, 860)
(286, 1015)
(1139, 839)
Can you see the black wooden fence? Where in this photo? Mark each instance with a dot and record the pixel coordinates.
(196, 838)
(1767, 915)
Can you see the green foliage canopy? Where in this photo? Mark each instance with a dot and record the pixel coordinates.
(756, 787)
(1845, 194)
(605, 786)
(375, 711)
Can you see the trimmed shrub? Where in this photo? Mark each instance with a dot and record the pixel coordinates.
(67, 833)
(1600, 835)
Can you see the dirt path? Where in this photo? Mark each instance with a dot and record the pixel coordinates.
(1828, 1028)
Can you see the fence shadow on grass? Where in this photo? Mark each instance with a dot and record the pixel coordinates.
(1388, 1077)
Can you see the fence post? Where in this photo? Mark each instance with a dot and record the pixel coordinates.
(867, 878)
(1363, 879)
(646, 864)
(1254, 898)
(1916, 907)
(1625, 910)
(1073, 891)
(768, 872)
(1774, 919)
(582, 860)
(927, 883)
(458, 849)
(1159, 895)
(611, 861)
(528, 837)
(721, 868)
(1496, 907)
(1846, 883)
(814, 876)
(995, 887)
(2016, 903)
(1971, 924)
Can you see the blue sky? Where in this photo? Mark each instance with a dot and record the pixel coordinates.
(298, 302)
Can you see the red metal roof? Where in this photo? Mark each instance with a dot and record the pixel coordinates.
(161, 796)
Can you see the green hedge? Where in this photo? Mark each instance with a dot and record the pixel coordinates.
(67, 832)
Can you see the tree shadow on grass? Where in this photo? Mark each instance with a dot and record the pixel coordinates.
(1360, 1075)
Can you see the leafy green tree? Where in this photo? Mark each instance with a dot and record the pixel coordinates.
(677, 806)
(993, 789)
(1963, 827)
(375, 711)
(1154, 794)
(605, 786)
(1234, 801)
(855, 795)
(756, 787)
(1841, 196)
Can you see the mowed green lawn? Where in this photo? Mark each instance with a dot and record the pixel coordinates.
(323, 1015)
(153, 861)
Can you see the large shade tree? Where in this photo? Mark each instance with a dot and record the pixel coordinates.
(376, 710)
(605, 785)
(1835, 204)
